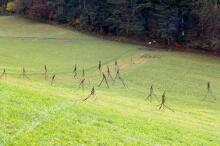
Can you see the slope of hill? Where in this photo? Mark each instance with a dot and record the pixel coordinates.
(34, 112)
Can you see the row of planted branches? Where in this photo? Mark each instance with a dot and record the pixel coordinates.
(104, 80)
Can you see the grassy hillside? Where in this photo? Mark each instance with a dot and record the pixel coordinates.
(32, 112)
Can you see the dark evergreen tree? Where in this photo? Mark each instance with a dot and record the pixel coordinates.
(171, 16)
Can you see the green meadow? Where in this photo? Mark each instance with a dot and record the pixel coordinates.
(34, 112)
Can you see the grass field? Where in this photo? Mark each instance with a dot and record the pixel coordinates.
(32, 112)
